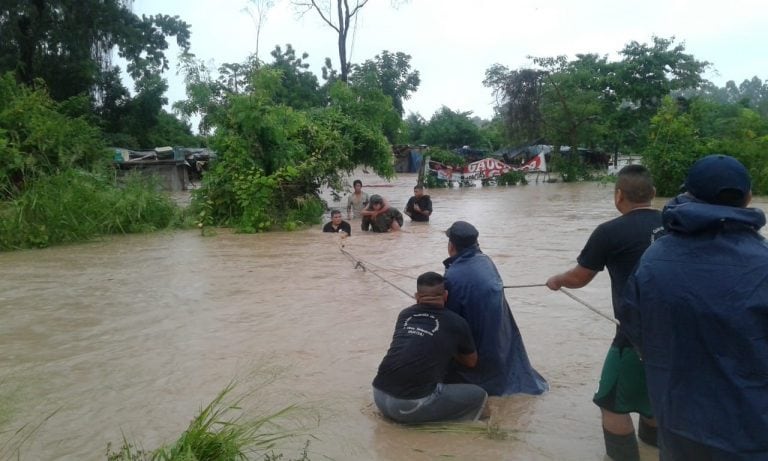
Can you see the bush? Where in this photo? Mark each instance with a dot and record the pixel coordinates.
(36, 138)
(75, 206)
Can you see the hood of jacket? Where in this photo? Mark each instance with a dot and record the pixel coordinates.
(692, 217)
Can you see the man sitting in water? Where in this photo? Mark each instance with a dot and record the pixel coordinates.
(336, 224)
(408, 387)
(380, 217)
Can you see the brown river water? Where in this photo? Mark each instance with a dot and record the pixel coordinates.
(129, 336)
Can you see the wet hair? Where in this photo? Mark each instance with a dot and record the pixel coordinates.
(636, 183)
(430, 283)
(356, 182)
(418, 186)
(335, 212)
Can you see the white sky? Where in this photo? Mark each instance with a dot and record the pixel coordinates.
(452, 44)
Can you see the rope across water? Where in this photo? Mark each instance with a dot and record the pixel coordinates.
(359, 263)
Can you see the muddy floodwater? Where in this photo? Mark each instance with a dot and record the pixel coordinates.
(129, 336)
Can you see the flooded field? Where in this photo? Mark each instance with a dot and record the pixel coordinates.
(131, 335)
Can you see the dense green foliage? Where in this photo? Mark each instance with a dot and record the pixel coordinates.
(681, 133)
(448, 129)
(56, 185)
(37, 139)
(273, 158)
(74, 206)
(65, 46)
(393, 75)
(446, 157)
(618, 106)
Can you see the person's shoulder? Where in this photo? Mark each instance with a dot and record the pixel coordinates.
(410, 310)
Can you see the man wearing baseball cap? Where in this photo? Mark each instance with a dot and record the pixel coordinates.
(697, 309)
(476, 292)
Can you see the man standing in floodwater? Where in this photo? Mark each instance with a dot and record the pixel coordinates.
(380, 217)
(419, 207)
(697, 309)
(357, 200)
(336, 224)
(476, 292)
(618, 245)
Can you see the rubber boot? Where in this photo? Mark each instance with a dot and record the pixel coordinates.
(621, 447)
(647, 433)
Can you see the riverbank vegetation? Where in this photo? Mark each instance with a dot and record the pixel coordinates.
(223, 432)
(654, 102)
(281, 133)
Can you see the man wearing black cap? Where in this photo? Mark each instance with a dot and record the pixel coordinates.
(379, 217)
(476, 292)
(697, 309)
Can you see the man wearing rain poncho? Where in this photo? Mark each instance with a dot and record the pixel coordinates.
(476, 292)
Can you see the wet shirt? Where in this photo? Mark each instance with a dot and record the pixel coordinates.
(424, 202)
(382, 222)
(423, 345)
(343, 227)
(357, 203)
(618, 245)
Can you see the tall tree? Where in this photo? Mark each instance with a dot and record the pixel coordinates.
(300, 88)
(259, 17)
(648, 72)
(62, 42)
(518, 97)
(451, 129)
(392, 72)
(590, 101)
(338, 15)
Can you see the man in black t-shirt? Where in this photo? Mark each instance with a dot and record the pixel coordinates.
(618, 245)
(336, 224)
(408, 387)
(419, 207)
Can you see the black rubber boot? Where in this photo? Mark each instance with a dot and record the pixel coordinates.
(647, 433)
(621, 447)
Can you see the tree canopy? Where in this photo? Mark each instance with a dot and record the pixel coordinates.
(589, 100)
(66, 46)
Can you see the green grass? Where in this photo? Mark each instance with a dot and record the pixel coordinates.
(221, 432)
(76, 206)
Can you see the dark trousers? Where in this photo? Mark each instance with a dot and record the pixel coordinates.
(673, 447)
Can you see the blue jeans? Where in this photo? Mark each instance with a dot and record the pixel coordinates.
(448, 402)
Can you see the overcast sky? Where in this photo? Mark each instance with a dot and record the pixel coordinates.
(452, 44)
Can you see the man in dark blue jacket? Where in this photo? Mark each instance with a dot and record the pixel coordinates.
(697, 309)
(476, 292)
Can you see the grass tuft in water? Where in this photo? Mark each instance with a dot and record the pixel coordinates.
(12, 447)
(490, 430)
(220, 432)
